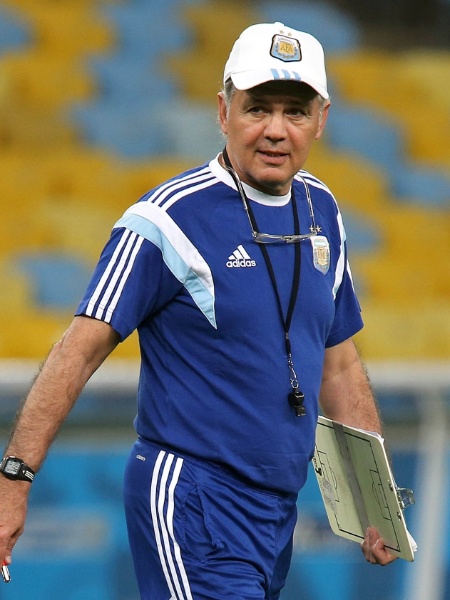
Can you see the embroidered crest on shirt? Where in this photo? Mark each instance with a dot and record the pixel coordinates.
(285, 48)
(321, 253)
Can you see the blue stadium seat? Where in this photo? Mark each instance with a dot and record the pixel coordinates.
(15, 32)
(378, 138)
(362, 235)
(131, 130)
(122, 78)
(152, 29)
(186, 122)
(367, 133)
(58, 281)
(428, 186)
(337, 31)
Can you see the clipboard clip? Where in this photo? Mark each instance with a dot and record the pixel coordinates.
(405, 497)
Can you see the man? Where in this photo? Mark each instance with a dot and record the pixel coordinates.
(236, 276)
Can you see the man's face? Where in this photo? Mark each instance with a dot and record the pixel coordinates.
(270, 130)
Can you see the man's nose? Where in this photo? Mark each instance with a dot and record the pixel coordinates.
(275, 126)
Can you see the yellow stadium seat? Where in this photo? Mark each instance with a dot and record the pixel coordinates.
(68, 29)
(405, 332)
(141, 177)
(427, 72)
(45, 80)
(32, 334)
(129, 349)
(22, 229)
(29, 129)
(216, 25)
(79, 227)
(354, 182)
(15, 290)
(362, 75)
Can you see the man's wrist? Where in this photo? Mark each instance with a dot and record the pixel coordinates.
(16, 469)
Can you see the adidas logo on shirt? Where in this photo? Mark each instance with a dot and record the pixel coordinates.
(240, 258)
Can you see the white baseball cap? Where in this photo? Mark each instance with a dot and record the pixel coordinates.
(274, 52)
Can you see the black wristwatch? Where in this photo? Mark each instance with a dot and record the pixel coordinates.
(14, 468)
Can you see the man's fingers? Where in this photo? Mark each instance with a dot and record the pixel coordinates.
(374, 549)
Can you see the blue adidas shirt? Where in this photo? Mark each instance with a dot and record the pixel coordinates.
(181, 266)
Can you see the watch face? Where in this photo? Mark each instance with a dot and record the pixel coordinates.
(12, 467)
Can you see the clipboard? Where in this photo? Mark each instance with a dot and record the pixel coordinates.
(358, 487)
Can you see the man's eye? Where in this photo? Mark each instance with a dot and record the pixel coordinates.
(256, 109)
(296, 112)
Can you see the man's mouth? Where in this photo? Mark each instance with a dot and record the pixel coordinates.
(273, 156)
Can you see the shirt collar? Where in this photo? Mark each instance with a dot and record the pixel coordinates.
(252, 193)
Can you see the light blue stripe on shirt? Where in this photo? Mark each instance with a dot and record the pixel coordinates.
(180, 256)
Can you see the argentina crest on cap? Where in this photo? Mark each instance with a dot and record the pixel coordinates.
(321, 253)
(285, 48)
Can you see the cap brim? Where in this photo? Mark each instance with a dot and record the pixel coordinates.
(246, 80)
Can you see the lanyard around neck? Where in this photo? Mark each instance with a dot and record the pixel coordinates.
(296, 397)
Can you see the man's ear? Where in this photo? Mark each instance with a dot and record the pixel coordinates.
(323, 119)
(223, 113)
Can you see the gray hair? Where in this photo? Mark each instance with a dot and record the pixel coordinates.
(228, 92)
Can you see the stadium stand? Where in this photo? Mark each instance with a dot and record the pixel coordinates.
(100, 105)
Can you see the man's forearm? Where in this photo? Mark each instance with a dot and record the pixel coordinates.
(48, 403)
(57, 387)
(346, 394)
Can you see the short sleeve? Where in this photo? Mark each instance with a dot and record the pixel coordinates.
(347, 320)
(129, 283)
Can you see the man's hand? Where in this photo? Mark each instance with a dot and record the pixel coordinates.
(13, 511)
(374, 549)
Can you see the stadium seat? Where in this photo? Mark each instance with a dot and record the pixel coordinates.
(33, 128)
(21, 227)
(363, 234)
(363, 76)
(200, 69)
(427, 142)
(150, 30)
(16, 297)
(395, 331)
(124, 79)
(130, 132)
(337, 31)
(45, 80)
(426, 72)
(389, 82)
(15, 30)
(424, 185)
(80, 226)
(186, 122)
(355, 182)
(68, 29)
(58, 281)
(31, 334)
(367, 133)
(376, 136)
